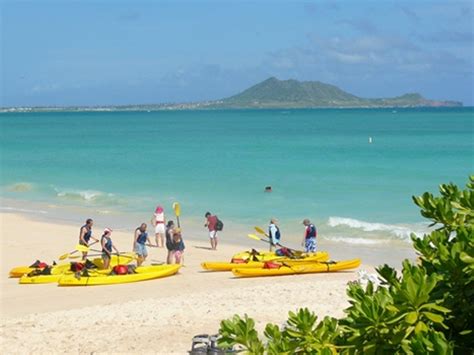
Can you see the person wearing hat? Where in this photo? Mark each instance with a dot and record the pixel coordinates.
(158, 221)
(274, 234)
(309, 238)
(107, 246)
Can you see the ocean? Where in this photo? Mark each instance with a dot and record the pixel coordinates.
(351, 171)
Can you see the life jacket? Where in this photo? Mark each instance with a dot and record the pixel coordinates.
(271, 265)
(77, 266)
(39, 264)
(142, 237)
(108, 244)
(311, 231)
(88, 235)
(238, 261)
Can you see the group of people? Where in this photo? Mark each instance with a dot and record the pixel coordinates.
(141, 240)
(170, 236)
(309, 236)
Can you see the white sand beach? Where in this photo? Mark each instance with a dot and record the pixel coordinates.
(158, 316)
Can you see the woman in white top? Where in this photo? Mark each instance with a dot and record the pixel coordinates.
(158, 220)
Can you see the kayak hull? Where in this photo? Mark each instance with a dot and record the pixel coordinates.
(320, 267)
(228, 266)
(59, 270)
(146, 273)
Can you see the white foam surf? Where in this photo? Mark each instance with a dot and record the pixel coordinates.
(396, 231)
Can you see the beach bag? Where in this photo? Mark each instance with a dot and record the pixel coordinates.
(120, 270)
(219, 224)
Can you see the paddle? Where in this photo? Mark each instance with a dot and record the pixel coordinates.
(177, 211)
(261, 231)
(79, 247)
(295, 252)
(134, 256)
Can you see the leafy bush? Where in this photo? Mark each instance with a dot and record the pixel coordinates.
(429, 308)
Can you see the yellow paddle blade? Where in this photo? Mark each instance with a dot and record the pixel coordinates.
(261, 231)
(177, 209)
(75, 256)
(64, 256)
(81, 247)
(253, 236)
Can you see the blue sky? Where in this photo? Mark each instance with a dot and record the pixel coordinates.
(130, 52)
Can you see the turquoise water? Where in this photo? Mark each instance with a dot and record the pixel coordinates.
(319, 163)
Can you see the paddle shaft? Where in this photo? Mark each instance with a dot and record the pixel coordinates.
(253, 236)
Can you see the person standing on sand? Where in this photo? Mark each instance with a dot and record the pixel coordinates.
(107, 246)
(169, 241)
(274, 234)
(178, 246)
(211, 222)
(309, 238)
(158, 221)
(140, 241)
(85, 235)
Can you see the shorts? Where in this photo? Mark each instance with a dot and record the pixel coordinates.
(105, 255)
(82, 243)
(310, 245)
(140, 249)
(160, 228)
(177, 256)
(212, 234)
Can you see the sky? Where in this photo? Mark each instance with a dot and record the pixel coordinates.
(112, 52)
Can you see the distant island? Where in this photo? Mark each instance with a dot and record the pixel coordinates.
(274, 93)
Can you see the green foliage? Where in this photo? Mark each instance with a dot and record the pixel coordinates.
(240, 331)
(301, 335)
(427, 309)
(388, 319)
(449, 254)
(453, 209)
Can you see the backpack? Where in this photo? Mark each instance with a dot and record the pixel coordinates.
(219, 225)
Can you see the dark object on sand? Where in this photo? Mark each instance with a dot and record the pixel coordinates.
(207, 344)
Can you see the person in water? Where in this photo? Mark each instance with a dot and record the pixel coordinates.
(274, 234)
(178, 246)
(158, 221)
(107, 246)
(85, 235)
(169, 241)
(140, 241)
(309, 238)
(211, 222)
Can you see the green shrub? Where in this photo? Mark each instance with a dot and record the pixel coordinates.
(429, 308)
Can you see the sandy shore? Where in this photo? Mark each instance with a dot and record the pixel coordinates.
(159, 316)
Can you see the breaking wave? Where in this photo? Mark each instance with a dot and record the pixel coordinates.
(396, 231)
(88, 196)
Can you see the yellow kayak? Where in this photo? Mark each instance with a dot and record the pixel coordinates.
(259, 255)
(142, 274)
(19, 271)
(59, 270)
(228, 266)
(298, 269)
